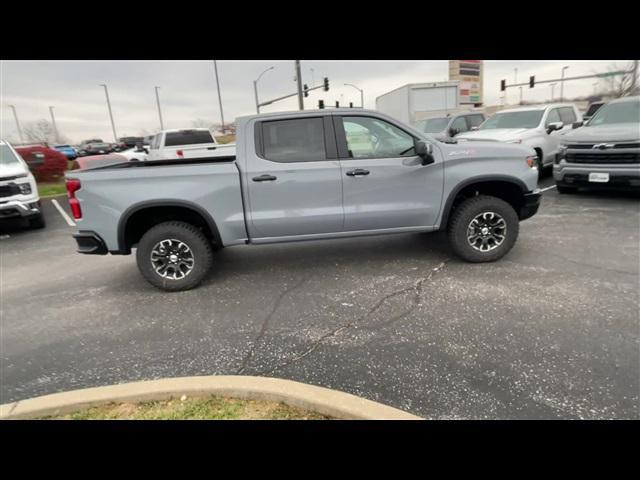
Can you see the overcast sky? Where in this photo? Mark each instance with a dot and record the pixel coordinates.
(188, 89)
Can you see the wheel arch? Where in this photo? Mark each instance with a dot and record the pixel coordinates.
(508, 188)
(152, 212)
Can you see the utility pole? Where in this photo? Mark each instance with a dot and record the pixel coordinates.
(55, 128)
(15, 116)
(159, 110)
(361, 93)
(113, 125)
(299, 79)
(215, 66)
(552, 85)
(255, 88)
(515, 80)
(313, 78)
(520, 95)
(562, 84)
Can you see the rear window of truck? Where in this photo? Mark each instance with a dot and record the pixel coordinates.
(188, 137)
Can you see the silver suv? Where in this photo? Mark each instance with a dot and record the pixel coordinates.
(603, 153)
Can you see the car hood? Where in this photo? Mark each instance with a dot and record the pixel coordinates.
(13, 170)
(498, 134)
(618, 132)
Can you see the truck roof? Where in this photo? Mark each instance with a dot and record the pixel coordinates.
(541, 106)
(315, 112)
(172, 130)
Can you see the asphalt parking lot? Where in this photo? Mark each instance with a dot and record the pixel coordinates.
(550, 331)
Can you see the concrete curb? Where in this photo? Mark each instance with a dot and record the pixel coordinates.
(318, 399)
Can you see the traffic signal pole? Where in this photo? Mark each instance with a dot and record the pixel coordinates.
(504, 86)
(324, 86)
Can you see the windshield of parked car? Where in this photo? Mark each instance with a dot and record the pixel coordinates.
(432, 125)
(7, 157)
(525, 119)
(62, 146)
(623, 112)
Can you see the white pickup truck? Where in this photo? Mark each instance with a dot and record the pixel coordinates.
(187, 143)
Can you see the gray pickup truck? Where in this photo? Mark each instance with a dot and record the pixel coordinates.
(304, 176)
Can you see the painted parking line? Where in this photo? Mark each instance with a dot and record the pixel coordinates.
(547, 188)
(66, 217)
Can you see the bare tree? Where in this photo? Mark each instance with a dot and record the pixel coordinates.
(42, 131)
(620, 85)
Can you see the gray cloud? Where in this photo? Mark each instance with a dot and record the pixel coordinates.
(188, 89)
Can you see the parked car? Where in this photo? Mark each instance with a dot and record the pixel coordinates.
(539, 127)
(186, 143)
(96, 148)
(138, 153)
(47, 164)
(18, 190)
(603, 153)
(452, 125)
(67, 150)
(591, 110)
(304, 176)
(131, 142)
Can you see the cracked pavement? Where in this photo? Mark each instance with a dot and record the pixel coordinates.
(550, 331)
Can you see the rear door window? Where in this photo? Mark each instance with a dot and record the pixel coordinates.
(474, 120)
(294, 140)
(188, 137)
(460, 124)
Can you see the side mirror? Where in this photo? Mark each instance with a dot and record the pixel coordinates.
(425, 151)
(554, 126)
(146, 150)
(577, 124)
(453, 132)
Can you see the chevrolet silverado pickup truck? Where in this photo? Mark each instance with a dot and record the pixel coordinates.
(304, 176)
(540, 127)
(605, 153)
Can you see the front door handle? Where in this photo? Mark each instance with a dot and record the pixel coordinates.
(357, 172)
(264, 178)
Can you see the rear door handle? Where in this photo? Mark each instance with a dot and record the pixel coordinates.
(264, 178)
(357, 172)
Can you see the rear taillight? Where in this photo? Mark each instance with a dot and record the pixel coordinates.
(180, 153)
(531, 162)
(73, 185)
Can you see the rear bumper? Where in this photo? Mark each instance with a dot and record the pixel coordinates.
(531, 204)
(90, 243)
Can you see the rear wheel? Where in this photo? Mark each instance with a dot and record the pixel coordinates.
(483, 229)
(174, 256)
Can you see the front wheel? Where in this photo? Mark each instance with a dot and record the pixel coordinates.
(483, 229)
(174, 256)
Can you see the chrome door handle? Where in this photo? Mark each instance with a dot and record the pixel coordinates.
(357, 172)
(264, 178)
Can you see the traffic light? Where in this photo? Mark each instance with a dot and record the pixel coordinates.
(350, 104)
(306, 90)
(320, 104)
(503, 85)
(532, 81)
(337, 104)
(326, 84)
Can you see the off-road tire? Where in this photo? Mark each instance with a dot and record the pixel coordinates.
(466, 212)
(184, 232)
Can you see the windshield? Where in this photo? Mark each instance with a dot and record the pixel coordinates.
(7, 157)
(62, 146)
(432, 125)
(623, 112)
(525, 119)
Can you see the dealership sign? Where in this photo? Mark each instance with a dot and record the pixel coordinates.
(469, 74)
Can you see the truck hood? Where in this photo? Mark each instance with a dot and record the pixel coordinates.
(618, 132)
(482, 149)
(497, 134)
(13, 170)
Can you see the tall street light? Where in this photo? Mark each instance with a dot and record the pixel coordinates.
(562, 84)
(552, 85)
(15, 116)
(55, 128)
(361, 93)
(113, 125)
(255, 88)
(215, 67)
(159, 110)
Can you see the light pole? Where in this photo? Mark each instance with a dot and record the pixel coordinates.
(520, 95)
(361, 93)
(113, 125)
(255, 87)
(562, 84)
(515, 79)
(55, 128)
(552, 85)
(313, 78)
(215, 67)
(299, 79)
(15, 116)
(159, 110)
